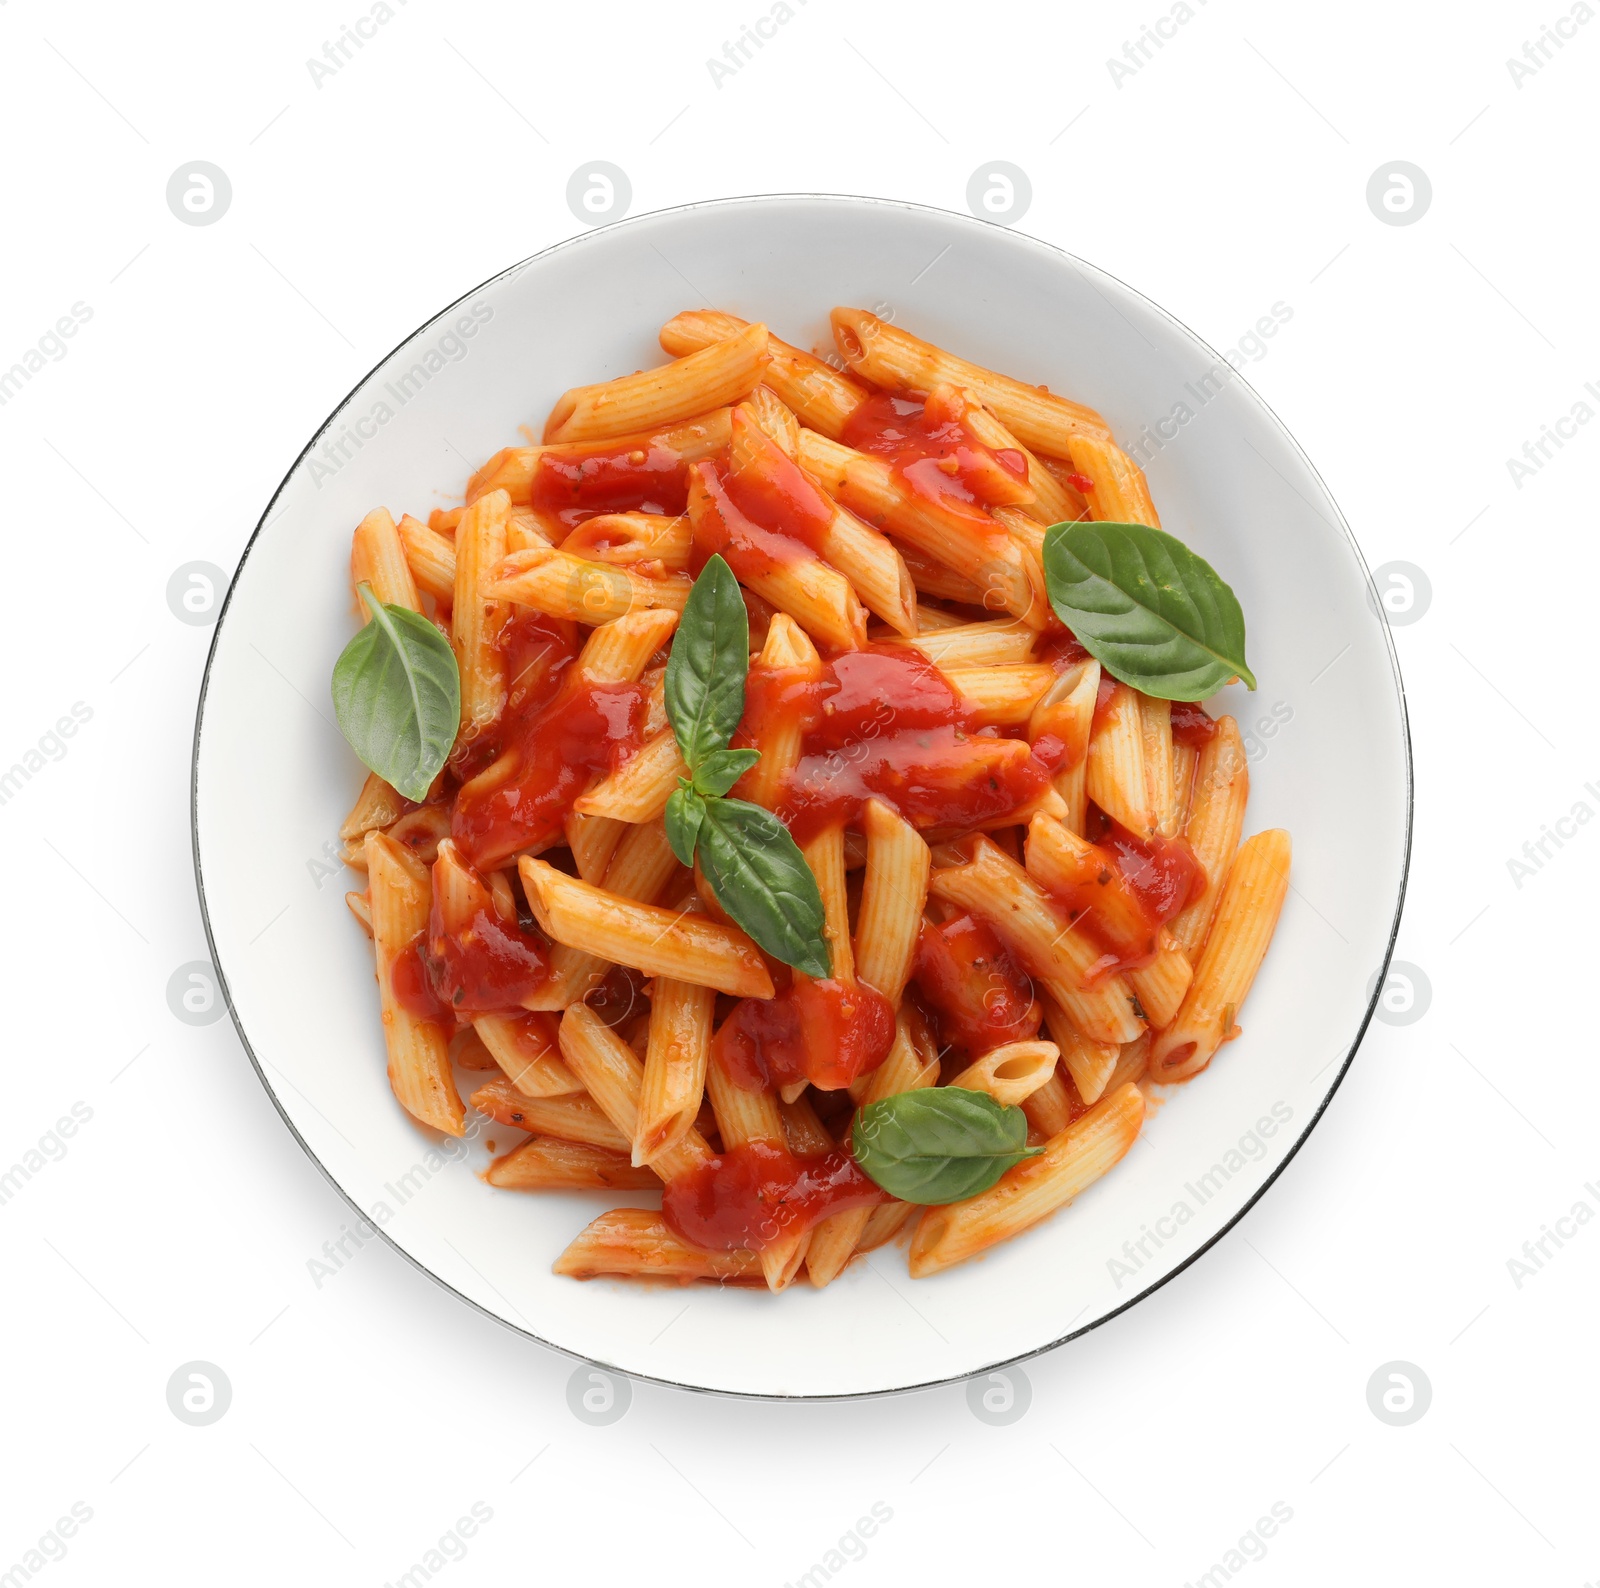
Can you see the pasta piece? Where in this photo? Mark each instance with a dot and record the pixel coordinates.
(1011, 1073)
(377, 805)
(655, 941)
(419, 1050)
(1001, 697)
(1247, 916)
(639, 789)
(1131, 1062)
(1115, 778)
(1185, 758)
(637, 1243)
(593, 841)
(1155, 719)
(787, 650)
(1118, 492)
(776, 418)
(431, 558)
(1050, 1108)
(969, 543)
(360, 907)
(548, 1164)
(377, 558)
(816, 393)
(634, 538)
(1032, 1189)
(893, 893)
(525, 1048)
(520, 470)
(968, 645)
(1037, 929)
(1160, 985)
(888, 356)
(563, 586)
(476, 616)
(674, 1067)
(1216, 819)
(574, 1118)
(718, 374)
(1089, 1063)
(1053, 500)
(1066, 712)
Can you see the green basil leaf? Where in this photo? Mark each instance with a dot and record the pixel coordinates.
(1150, 611)
(722, 769)
(707, 668)
(761, 879)
(397, 695)
(686, 810)
(939, 1144)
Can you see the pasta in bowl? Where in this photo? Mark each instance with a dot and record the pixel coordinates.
(740, 844)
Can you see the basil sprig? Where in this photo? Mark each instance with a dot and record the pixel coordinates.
(397, 695)
(939, 1144)
(1151, 612)
(754, 867)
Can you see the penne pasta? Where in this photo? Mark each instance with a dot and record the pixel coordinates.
(893, 893)
(1001, 696)
(1115, 774)
(563, 586)
(1117, 491)
(974, 645)
(675, 1066)
(1216, 819)
(574, 1118)
(719, 374)
(1247, 916)
(378, 558)
(639, 789)
(431, 557)
(548, 1164)
(476, 615)
(1012, 1073)
(525, 1048)
(636, 1243)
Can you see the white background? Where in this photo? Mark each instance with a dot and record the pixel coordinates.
(1227, 174)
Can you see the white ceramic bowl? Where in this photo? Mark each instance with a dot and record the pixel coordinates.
(273, 778)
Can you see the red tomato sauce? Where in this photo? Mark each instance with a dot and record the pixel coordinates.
(488, 965)
(825, 1032)
(981, 998)
(883, 722)
(749, 1197)
(933, 452)
(771, 490)
(408, 978)
(1126, 889)
(721, 526)
(1191, 725)
(584, 730)
(645, 478)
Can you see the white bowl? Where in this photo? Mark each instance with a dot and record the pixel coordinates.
(1330, 761)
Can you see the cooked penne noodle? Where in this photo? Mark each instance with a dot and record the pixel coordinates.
(637, 1243)
(546, 1163)
(476, 615)
(1049, 1109)
(419, 1050)
(593, 841)
(1118, 492)
(1089, 1063)
(431, 558)
(574, 1118)
(524, 1046)
(970, 544)
(562, 586)
(1053, 500)
(655, 941)
(377, 805)
(1216, 819)
(815, 392)
(1247, 916)
(1160, 985)
(1115, 777)
(931, 578)
(360, 906)
(887, 356)
(521, 471)
(893, 893)
(1131, 1062)
(1033, 1189)
(639, 789)
(999, 644)
(634, 539)
(378, 558)
(1185, 758)
(674, 1067)
(788, 651)
(776, 418)
(640, 869)
(718, 374)
(1001, 696)
(1066, 712)
(1030, 922)
(1012, 1073)
(1155, 718)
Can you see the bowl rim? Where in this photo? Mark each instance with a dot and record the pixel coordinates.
(945, 215)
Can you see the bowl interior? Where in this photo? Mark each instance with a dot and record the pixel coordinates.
(273, 779)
